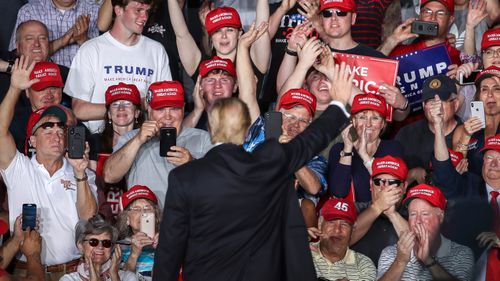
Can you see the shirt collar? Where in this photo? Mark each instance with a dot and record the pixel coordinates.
(349, 258)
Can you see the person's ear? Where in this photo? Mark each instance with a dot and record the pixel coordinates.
(32, 141)
(80, 247)
(353, 19)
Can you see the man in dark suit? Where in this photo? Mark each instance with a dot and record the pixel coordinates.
(233, 215)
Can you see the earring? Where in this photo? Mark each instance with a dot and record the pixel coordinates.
(136, 121)
(109, 121)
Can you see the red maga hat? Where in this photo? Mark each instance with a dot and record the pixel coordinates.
(295, 97)
(369, 102)
(339, 208)
(49, 75)
(165, 93)
(390, 165)
(123, 91)
(222, 17)
(429, 193)
(217, 63)
(137, 192)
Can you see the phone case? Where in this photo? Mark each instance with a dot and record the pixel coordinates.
(29, 216)
(148, 224)
(76, 142)
(168, 138)
(468, 80)
(477, 110)
(272, 124)
(424, 28)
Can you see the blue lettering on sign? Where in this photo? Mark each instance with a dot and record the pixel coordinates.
(128, 69)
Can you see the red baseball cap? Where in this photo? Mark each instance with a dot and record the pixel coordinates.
(487, 73)
(343, 5)
(49, 75)
(35, 116)
(492, 143)
(217, 63)
(369, 102)
(339, 208)
(4, 227)
(165, 93)
(449, 4)
(390, 165)
(137, 192)
(426, 192)
(123, 91)
(222, 17)
(295, 97)
(491, 37)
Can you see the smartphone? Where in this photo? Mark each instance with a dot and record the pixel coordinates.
(168, 138)
(76, 142)
(29, 216)
(468, 80)
(477, 110)
(424, 28)
(148, 224)
(272, 129)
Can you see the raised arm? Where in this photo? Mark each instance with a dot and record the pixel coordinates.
(119, 163)
(199, 107)
(297, 38)
(477, 12)
(275, 18)
(246, 78)
(105, 16)
(86, 204)
(307, 56)
(19, 81)
(260, 51)
(189, 52)
(400, 34)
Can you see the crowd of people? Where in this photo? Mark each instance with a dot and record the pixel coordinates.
(385, 164)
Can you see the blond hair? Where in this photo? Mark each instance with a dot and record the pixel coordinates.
(228, 121)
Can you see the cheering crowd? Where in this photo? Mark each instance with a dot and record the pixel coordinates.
(250, 140)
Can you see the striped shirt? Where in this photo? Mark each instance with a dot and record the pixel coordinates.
(354, 266)
(58, 22)
(457, 259)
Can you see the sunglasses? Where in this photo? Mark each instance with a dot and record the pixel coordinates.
(106, 243)
(49, 125)
(379, 182)
(329, 13)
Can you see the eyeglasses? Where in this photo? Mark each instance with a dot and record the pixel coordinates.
(49, 125)
(294, 119)
(329, 13)
(427, 13)
(491, 53)
(124, 103)
(379, 182)
(145, 209)
(106, 243)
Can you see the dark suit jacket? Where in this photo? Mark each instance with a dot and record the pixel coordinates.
(233, 215)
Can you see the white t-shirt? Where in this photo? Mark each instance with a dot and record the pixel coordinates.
(103, 61)
(28, 181)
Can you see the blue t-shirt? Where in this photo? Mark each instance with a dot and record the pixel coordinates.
(144, 267)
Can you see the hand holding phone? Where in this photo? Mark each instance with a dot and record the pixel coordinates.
(76, 142)
(148, 224)
(477, 110)
(168, 138)
(29, 216)
(272, 129)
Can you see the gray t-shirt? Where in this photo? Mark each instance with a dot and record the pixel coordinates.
(150, 169)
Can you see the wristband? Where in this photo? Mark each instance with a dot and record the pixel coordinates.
(290, 52)
(433, 263)
(85, 178)
(9, 67)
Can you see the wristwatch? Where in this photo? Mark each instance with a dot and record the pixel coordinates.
(345, 154)
(431, 264)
